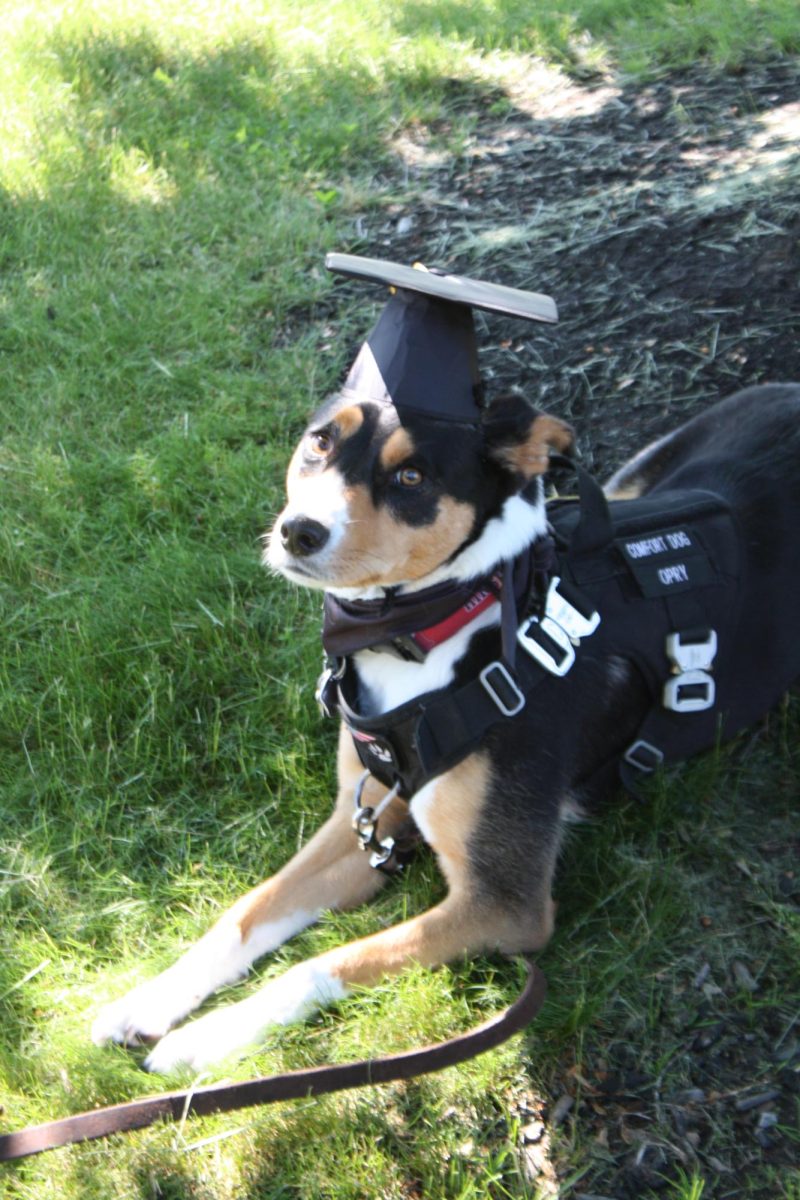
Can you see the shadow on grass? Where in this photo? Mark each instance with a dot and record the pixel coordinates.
(240, 108)
(210, 118)
(644, 36)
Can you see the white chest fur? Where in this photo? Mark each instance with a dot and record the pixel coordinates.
(388, 681)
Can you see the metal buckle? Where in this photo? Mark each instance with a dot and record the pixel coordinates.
(380, 857)
(364, 827)
(674, 700)
(322, 691)
(692, 655)
(644, 756)
(506, 709)
(526, 636)
(574, 623)
(363, 816)
(365, 824)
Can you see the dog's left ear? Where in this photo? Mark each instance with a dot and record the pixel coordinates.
(521, 438)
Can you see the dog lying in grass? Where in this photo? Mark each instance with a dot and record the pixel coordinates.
(494, 659)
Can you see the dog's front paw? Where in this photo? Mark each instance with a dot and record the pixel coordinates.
(201, 1043)
(227, 1031)
(145, 1013)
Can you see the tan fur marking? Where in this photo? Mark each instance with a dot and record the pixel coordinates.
(349, 420)
(396, 449)
(453, 815)
(433, 938)
(455, 927)
(461, 924)
(532, 456)
(451, 821)
(431, 545)
(377, 549)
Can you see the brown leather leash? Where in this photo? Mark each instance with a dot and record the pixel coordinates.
(294, 1085)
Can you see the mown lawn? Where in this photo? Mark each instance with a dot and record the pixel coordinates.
(171, 176)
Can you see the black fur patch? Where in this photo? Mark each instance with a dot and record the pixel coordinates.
(450, 457)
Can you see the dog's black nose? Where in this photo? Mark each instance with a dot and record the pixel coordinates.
(302, 536)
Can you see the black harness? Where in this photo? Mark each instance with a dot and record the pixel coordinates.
(653, 581)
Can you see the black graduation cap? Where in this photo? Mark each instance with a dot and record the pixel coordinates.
(422, 355)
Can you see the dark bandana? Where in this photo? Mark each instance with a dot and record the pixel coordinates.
(352, 625)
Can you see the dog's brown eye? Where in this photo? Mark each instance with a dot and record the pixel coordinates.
(409, 477)
(321, 443)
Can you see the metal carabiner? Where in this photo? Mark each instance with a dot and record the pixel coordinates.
(363, 816)
(365, 825)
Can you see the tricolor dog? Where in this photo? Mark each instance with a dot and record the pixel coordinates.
(496, 661)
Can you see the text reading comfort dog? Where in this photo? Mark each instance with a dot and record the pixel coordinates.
(664, 543)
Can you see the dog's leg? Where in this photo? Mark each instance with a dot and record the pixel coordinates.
(467, 921)
(331, 871)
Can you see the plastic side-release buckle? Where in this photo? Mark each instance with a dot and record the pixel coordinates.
(499, 684)
(562, 605)
(551, 640)
(691, 691)
(692, 654)
(693, 650)
(548, 643)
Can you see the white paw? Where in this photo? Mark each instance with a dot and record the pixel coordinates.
(146, 1012)
(230, 1030)
(200, 1043)
(219, 958)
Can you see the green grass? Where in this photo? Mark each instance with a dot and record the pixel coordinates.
(171, 176)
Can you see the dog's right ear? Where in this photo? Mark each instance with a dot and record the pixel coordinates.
(521, 438)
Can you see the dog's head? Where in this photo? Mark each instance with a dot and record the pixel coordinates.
(375, 502)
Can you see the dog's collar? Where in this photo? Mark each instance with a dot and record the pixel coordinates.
(412, 624)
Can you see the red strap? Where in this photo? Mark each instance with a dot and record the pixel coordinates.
(427, 639)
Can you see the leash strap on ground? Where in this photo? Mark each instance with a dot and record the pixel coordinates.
(295, 1085)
